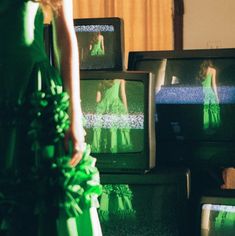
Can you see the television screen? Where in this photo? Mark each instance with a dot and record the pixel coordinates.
(118, 110)
(155, 203)
(100, 43)
(195, 104)
(217, 214)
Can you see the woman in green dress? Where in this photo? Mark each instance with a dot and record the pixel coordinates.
(48, 181)
(96, 46)
(111, 133)
(211, 109)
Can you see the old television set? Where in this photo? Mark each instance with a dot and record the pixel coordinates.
(155, 203)
(101, 43)
(193, 126)
(118, 110)
(216, 214)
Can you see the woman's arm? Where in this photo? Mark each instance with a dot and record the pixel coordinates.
(214, 85)
(98, 93)
(102, 43)
(67, 61)
(123, 94)
(98, 96)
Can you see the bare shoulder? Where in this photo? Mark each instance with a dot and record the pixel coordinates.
(122, 81)
(101, 36)
(212, 70)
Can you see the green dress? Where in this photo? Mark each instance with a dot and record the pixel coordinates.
(40, 193)
(111, 129)
(211, 109)
(97, 49)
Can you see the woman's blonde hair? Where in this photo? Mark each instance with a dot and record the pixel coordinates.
(203, 68)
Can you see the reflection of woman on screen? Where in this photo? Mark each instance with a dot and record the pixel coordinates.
(96, 46)
(111, 129)
(112, 134)
(211, 109)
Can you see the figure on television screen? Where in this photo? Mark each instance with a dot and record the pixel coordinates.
(116, 207)
(96, 46)
(211, 108)
(111, 132)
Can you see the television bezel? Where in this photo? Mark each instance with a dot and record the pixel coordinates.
(135, 56)
(130, 161)
(118, 39)
(214, 197)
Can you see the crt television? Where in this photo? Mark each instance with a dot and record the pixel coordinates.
(217, 214)
(118, 110)
(155, 203)
(101, 43)
(195, 104)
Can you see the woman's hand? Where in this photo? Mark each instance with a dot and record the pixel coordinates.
(78, 146)
(76, 157)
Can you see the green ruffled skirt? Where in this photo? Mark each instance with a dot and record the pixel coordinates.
(40, 193)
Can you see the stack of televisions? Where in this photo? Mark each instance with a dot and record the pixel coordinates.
(160, 94)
